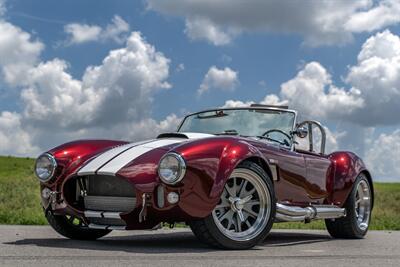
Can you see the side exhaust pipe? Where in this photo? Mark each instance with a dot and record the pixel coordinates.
(286, 213)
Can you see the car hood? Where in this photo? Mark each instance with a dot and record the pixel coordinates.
(111, 161)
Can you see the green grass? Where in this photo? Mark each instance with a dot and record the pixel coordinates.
(20, 201)
(19, 192)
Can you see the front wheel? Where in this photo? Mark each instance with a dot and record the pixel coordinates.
(73, 227)
(245, 212)
(358, 212)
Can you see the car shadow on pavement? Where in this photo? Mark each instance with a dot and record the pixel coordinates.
(181, 242)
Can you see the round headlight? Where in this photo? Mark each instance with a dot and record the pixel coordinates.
(45, 167)
(171, 168)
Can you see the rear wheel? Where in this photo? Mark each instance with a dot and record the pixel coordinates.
(245, 212)
(73, 227)
(358, 212)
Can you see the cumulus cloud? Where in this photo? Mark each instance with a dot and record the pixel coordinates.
(14, 140)
(223, 79)
(313, 92)
(369, 98)
(18, 52)
(111, 100)
(377, 77)
(385, 13)
(373, 87)
(202, 28)
(319, 22)
(118, 90)
(82, 33)
(383, 154)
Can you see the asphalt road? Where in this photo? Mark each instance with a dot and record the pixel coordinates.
(41, 246)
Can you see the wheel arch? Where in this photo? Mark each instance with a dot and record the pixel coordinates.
(260, 162)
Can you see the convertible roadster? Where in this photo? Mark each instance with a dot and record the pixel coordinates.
(229, 173)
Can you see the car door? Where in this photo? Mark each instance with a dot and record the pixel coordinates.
(317, 171)
(318, 166)
(289, 173)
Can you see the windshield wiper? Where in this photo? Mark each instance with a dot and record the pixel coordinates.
(284, 142)
(228, 132)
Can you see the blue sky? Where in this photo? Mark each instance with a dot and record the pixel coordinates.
(262, 52)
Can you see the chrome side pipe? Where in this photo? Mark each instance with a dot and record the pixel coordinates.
(285, 213)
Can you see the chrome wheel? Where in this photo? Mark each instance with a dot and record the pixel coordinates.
(363, 205)
(244, 207)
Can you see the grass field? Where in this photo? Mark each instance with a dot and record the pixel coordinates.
(20, 202)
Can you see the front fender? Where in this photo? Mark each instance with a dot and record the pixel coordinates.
(209, 164)
(72, 155)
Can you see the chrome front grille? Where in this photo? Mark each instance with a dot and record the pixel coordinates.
(109, 193)
(106, 203)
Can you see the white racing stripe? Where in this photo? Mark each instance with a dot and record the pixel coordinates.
(111, 161)
(103, 158)
(113, 166)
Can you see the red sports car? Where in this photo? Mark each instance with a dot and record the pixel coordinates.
(229, 173)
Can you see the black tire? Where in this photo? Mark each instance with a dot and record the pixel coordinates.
(348, 227)
(66, 228)
(207, 231)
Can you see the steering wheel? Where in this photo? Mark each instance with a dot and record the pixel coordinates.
(286, 142)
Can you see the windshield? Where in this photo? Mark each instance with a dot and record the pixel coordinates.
(246, 122)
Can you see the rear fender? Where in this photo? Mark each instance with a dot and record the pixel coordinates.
(348, 166)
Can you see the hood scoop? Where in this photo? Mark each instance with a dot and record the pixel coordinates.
(173, 135)
(186, 135)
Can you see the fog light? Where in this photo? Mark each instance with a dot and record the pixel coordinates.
(46, 193)
(172, 198)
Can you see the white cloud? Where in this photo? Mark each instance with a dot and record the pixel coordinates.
(18, 52)
(372, 99)
(224, 79)
(116, 30)
(82, 33)
(14, 140)
(319, 22)
(377, 77)
(385, 13)
(119, 89)
(202, 28)
(236, 104)
(374, 87)
(383, 155)
(313, 92)
(112, 100)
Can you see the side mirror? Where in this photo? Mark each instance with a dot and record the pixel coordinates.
(301, 132)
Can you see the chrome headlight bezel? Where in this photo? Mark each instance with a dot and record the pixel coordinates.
(181, 168)
(53, 165)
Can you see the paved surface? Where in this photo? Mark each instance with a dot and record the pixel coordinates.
(40, 246)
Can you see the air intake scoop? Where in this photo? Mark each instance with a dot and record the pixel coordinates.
(173, 135)
(184, 135)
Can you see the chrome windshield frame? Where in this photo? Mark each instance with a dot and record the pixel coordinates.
(250, 108)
